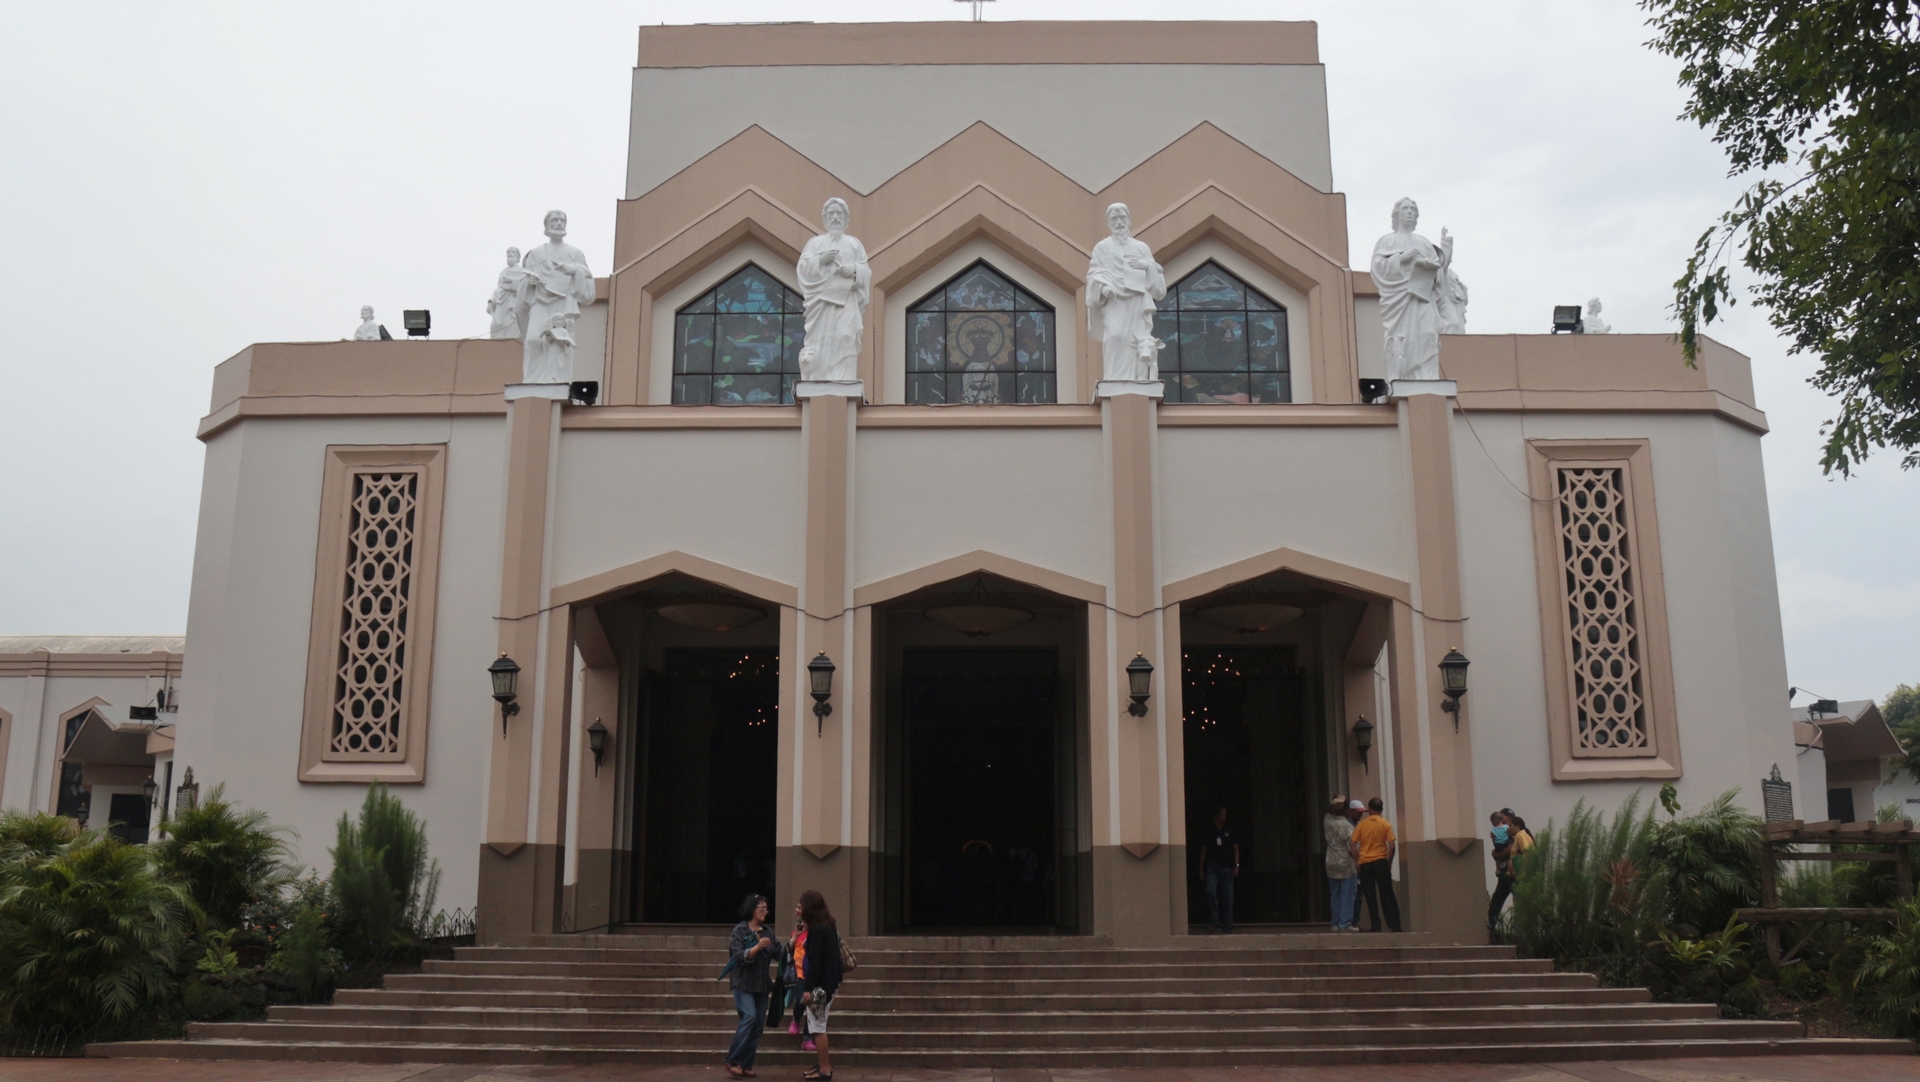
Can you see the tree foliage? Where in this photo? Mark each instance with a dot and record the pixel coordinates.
(1901, 711)
(1817, 103)
(227, 856)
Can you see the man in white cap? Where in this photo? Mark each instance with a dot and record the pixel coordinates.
(1342, 873)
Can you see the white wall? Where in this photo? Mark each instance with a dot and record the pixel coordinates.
(1230, 493)
(1722, 610)
(34, 736)
(248, 624)
(1033, 494)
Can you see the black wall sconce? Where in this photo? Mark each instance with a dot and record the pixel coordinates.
(1453, 681)
(1363, 740)
(1139, 684)
(597, 743)
(151, 790)
(820, 674)
(506, 687)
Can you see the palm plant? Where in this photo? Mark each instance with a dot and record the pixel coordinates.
(89, 933)
(34, 837)
(228, 857)
(1711, 862)
(1889, 976)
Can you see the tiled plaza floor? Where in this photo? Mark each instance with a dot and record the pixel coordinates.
(1760, 1069)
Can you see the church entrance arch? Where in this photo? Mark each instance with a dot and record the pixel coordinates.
(695, 815)
(1261, 677)
(981, 759)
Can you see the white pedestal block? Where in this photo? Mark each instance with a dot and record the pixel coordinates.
(1403, 388)
(537, 390)
(821, 388)
(1108, 388)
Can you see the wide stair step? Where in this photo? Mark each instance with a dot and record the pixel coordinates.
(1005, 1001)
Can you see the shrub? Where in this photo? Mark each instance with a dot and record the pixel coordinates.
(383, 882)
(1888, 979)
(227, 857)
(89, 933)
(34, 837)
(1584, 894)
(1710, 861)
(1712, 969)
(304, 959)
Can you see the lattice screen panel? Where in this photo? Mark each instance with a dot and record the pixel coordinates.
(369, 683)
(1609, 704)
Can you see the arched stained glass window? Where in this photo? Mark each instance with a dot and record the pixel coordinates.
(980, 340)
(1225, 342)
(739, 343)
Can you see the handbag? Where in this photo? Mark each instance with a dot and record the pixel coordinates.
(848, 963)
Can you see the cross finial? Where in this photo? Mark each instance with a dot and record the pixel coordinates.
(976, 6)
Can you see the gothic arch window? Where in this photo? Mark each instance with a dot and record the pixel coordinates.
(738, 344)
(1225, 341)
(980, 340)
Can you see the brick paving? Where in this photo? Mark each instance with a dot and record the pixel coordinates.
(1757, 1069)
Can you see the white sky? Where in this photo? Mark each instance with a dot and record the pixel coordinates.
(183, 179)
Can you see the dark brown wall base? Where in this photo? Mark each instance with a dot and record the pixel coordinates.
(1444, 893)
(842, 877)
(1139, 899)
(519, 894)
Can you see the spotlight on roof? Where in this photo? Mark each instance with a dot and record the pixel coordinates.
(584, 391)
(1566, 317)
(1825, 706)
(419, 322)
(1373, 390)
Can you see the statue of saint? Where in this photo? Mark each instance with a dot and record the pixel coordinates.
(1592, 323)
(1123, 282)
(368, 331)
(505, 289)
(836, 282)
(1415, 280)
(555, 282)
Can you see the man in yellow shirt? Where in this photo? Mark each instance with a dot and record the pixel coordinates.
(1373, 848)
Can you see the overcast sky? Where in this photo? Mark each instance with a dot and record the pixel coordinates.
(183, 179)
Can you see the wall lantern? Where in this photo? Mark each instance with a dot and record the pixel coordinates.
(820, 673)
(1363, 739)
(151, 790)
(597, 743)
(506, 687)
(1139, 684)
(1453, 681)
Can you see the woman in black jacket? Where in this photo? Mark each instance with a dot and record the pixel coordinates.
(821, 979)
(750, 948)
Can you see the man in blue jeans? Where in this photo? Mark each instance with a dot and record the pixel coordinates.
(1343, 875)
(1219, 867)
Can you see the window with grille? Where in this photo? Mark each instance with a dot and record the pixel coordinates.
(1224, 341)
(370, 680)
(739, 343)
(370, 650)
(1604, 657)
(980, 340)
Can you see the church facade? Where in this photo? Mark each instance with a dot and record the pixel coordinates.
(980, 644)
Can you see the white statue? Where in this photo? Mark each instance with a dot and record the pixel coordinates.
(555, 282)
(1453, 303)
(368, 331)
(836, 281)
(1123, 281)
(505, 289)
(1413, 277)
(1592, 322)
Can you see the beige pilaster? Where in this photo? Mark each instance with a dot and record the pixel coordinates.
(517, 879)
(597, 864)
(1441, 858)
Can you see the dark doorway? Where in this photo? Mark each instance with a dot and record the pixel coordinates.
(981, 739)
(1251, 747)
(129, 812)
(704, 815)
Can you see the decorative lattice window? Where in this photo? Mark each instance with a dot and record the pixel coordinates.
(980, 340)
(1224, 341)
(370, 682)
(370, 657)
(1603, 634)
(1609, 668)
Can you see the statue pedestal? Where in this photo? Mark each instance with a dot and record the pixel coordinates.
(537, 390)
(1406, 388)
(822, 388)
(1109, 388)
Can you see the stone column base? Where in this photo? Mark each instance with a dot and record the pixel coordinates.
(1108, 388)
(819, 388)
(1403, 388)
(558, 391)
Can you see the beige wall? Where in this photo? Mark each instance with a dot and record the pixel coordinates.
(1722, 609)
(35, 696)
(249, 618)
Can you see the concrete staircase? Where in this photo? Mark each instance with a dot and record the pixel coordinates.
(1078, 1002)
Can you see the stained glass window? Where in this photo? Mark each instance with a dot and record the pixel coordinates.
(1225, 342)
(739, 343)
(980, 340)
